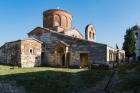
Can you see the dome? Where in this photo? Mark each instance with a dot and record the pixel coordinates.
(54, 18)
(52, 10)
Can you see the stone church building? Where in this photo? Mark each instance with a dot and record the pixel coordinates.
(58, 44)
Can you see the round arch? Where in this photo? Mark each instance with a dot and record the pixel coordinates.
(57, 20)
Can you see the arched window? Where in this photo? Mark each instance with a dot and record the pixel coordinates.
(136, 35)
(31, 51)
(48, 20)
(57, 20)
(69, 23)
(93, 36)
(110, 56)
(56, 23)
(90, 35)
(64, 21)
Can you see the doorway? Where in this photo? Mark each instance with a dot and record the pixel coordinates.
(68, 59)
(84, 60)
(61, 56)
(63, 60)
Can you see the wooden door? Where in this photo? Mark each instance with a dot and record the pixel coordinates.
(84, 60)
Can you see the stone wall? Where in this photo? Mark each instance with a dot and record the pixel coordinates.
(115, 56)
(10, 53)
(3, 55)
(23, 53)
(31, 53)
(96, 52)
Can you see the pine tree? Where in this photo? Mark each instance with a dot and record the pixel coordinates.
(117, 46)
(129, 43)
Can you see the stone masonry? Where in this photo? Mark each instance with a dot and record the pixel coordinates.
(58, 44)
(24, 53)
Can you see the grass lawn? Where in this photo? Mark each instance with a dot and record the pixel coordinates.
(8, 70)
(52, 80)
(130, 77)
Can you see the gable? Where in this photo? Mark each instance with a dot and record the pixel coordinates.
(37, 31)
(74, 33)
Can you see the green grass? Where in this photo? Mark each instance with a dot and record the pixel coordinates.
(52, 80)
(5, 70)
(130, 77)
(126, 67)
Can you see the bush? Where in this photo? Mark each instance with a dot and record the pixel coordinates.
(75, 66)
(138, 58)
(99, 66)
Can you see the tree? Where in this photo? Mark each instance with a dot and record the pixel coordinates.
(129, 43)
(117, 46)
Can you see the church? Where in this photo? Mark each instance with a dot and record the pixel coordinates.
(58, 44)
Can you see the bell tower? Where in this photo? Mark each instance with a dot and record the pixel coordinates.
(90, 33)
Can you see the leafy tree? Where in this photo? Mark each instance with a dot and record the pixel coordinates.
(129, 43)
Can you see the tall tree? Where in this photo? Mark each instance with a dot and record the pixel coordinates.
(129, 43)
(117, 46)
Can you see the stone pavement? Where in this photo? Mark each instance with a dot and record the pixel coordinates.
(10, 87)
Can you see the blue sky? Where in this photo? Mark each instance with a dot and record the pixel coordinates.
(110, 17)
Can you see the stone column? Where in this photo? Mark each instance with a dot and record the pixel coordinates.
(66, 57)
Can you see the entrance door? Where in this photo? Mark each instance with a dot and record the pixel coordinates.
(63, 60)
(84, 60)
(68, 59)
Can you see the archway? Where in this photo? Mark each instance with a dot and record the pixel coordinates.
(63, 60)
(60, 53)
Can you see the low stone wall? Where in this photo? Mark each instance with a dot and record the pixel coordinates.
(10, 87)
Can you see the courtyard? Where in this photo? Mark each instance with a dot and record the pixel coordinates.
(51, 80)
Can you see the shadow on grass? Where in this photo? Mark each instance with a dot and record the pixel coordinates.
(56, 81)
(129, 77)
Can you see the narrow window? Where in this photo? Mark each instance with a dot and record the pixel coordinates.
(93, 36)
(56, 23)
(31, 51)
(89, 34)
(136, 35)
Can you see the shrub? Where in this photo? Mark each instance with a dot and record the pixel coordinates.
(99, 66)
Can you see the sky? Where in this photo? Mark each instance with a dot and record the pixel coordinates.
(111, 18)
